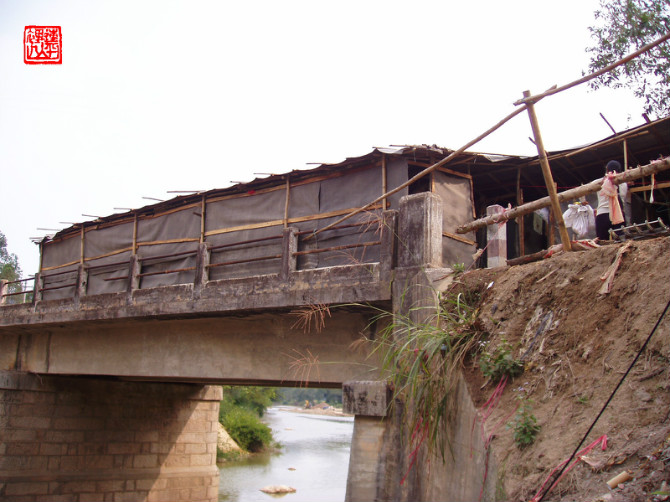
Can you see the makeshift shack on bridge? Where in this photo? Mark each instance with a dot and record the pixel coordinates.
(243, 225)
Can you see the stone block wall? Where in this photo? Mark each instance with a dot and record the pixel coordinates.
(84, 439)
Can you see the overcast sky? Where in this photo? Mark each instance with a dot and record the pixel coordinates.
(155, 96)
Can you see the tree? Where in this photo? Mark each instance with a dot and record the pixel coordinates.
(9, 267)
(622, 27)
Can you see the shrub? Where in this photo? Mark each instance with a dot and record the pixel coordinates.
(525, 424)
(499, 363)
(246, 429)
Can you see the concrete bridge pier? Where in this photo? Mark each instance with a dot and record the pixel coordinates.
(87, 439)
(381, 456)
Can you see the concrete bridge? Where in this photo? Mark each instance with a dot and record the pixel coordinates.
(114, 397)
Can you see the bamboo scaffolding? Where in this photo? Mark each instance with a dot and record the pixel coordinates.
(568, 195)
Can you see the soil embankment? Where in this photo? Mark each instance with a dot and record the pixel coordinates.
(576, 344)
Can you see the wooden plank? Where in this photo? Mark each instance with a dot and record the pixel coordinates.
(647, 188)
(169, 241)
(459, 238)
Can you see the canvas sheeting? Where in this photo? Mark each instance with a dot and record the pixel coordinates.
(457, 203)
(244, 232)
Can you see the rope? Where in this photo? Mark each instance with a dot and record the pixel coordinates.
(637, 356)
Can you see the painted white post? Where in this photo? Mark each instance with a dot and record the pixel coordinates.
(496, 236)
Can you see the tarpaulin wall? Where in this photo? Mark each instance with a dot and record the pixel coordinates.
(457, 209)
(244, 232)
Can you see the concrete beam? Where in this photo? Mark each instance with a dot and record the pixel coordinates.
(271, 349)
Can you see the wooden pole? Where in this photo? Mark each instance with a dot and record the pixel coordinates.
(81, 246)
(287, 201)
(520, 223)
(384, 182)
(420, 175)
(568, 195)
(548, 179)
(203, 208)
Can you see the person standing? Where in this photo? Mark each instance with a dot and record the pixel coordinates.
(608, 212)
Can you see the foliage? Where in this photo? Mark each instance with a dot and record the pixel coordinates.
(458, 268)
(423, 359)
(296, 396)
(256, 399)
(623, 26)
(499, 363)
(10, 269)
(246, 429)
(9, 263)
(525, 424)
(240, 411)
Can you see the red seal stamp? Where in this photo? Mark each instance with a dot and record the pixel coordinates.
(42, 45)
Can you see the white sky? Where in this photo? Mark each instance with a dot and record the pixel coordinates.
(154, 96)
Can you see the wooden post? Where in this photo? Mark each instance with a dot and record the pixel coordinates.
(548, 178)
(135, 234)
(203, 209)
(520, 223)
(287, 201)
(384, 182)
(389, 246)
(81, 254)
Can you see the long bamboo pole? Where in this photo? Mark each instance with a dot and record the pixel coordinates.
(568, 195)
(428, 170)
(534, 99)
(548, 178)
(591, 76)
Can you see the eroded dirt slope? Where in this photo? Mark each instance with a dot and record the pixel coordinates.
(576, 345)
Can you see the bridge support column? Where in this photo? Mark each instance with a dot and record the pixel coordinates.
(106, 440)
(375, 444)
(381, 450)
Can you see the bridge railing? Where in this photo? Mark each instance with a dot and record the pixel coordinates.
(12, 292)
(285, 253)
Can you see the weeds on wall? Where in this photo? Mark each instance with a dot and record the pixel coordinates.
(424, 360)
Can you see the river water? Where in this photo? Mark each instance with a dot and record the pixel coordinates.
(314, 459)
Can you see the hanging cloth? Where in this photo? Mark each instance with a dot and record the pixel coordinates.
(610, 190)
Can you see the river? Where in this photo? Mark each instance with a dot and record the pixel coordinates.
(313, 459)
